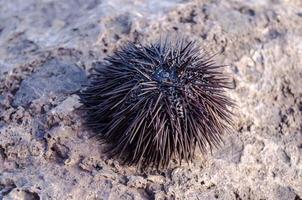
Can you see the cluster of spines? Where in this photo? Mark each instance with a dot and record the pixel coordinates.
(156, 102)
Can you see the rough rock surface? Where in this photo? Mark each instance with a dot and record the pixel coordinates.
(53, 76)
(45, 151)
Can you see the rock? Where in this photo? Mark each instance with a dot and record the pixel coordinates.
(136, 181)
(54, 76)
(6, 186)
(285, 193)
(4, 69)
(231, 151)
(90, 164)
(47, 47)
(1, 124)
(67, 106)
(19, 194)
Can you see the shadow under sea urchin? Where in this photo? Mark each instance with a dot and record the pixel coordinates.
(156, 102)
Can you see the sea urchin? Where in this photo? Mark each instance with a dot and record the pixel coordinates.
(156, 102)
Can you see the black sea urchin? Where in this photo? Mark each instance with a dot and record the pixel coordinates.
(156, 102)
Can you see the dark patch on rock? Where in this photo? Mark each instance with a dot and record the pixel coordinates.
(6, 187)
(54, 76)
(21, 46)
(247, 11)
(60, 152)
(23, 194)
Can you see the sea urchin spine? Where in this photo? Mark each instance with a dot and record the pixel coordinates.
(155, 102)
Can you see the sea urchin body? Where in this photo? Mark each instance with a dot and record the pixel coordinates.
(156, 102)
